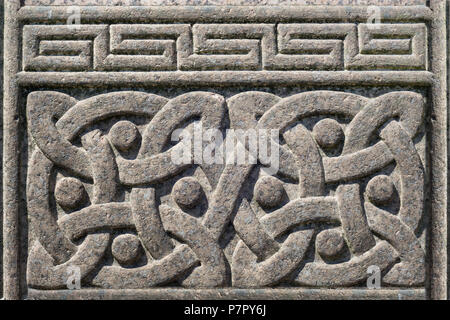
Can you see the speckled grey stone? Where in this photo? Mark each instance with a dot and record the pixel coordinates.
(125, 248)
(91, 188)
(219, 2)
(329, 243)
(187, 192)
(380, 189)
(69, 192)
(269, 192)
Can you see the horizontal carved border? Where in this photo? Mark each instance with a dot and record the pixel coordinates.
(240, 294)
(227, 78)
(219, 2)
(220, 14)
(170, 47)
(228, 38)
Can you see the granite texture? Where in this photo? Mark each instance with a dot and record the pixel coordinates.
(91, 190)
(221, 2)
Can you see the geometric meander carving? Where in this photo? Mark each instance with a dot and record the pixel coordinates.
(226, 46)
(104, 195)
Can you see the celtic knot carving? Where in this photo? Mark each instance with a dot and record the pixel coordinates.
(104, 195)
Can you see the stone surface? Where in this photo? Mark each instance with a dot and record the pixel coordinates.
(328, 133)
(269, 192)
(125, 248)
(329, 243)
(220, 2)
(187, 192)
(91, 185)
(69, 192)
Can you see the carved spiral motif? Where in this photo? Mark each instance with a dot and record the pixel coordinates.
(108, 190)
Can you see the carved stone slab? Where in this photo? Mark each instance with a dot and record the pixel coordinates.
(95, 207)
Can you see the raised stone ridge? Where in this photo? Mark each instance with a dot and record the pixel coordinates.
(221, 2)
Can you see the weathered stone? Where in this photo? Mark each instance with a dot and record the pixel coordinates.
(269, 192)
(125, 248)
(69, 192)
(91, 170)
(123, 135)
(187, 192)
(329, 243)
(380, 189)
(328, 133)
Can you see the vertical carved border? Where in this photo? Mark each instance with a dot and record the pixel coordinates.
(11, 228)
(438, 272)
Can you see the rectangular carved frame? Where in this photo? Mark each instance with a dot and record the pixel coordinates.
(186, 45)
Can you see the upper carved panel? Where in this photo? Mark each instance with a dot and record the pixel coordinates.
(165, 47)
